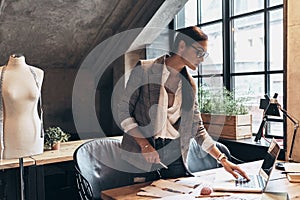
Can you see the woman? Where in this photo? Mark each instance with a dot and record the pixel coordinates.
(159, 114)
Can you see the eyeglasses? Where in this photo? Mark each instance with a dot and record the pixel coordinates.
(201, 53)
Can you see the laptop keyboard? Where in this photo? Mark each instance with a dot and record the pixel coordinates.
(242, 182)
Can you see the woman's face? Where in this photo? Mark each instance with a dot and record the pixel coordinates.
(195, 54)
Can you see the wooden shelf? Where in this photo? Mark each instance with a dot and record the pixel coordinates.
(65, 153)
(14, 163)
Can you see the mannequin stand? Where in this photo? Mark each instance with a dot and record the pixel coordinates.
(21, 178)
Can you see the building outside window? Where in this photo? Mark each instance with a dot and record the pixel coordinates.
(246, 51)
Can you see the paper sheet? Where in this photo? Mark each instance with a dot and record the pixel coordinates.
(152, 191)
(164, 188)
(196, 181)
(231, 197)
(275, 196)
(184, 189)
(292, 167)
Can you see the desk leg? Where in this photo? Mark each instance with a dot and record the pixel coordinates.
(10, 183)
(31, 184)
(10, 179)
(40, 181)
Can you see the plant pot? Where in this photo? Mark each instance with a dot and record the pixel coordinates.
(56, 146)
(228, 127)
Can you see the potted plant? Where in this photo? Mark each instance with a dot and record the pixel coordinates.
(54, 136)
(224, 115)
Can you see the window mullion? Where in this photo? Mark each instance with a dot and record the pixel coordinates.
(198, 12)
(267, 47)
(227, 45)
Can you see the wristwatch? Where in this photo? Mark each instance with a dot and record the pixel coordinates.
(146, 146)
(221, 157)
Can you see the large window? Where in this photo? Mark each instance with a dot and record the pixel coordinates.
(245, 47)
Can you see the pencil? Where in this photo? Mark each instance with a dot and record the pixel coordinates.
(162, 164)
(290, 172)
(171, 190)
(213, 195)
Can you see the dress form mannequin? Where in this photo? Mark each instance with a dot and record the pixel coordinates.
(21, 91)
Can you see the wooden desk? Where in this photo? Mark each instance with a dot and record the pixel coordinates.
(36, 168)
(277, 183)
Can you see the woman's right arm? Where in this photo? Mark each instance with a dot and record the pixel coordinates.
(148, 151)
(126, 108)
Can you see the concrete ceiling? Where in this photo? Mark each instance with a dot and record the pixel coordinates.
(61, 33)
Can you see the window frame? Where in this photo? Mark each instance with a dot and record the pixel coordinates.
(228, 39)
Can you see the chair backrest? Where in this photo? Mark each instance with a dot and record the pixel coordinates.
(199, 160)
(99, 167)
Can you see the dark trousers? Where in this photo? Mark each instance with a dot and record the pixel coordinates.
(170, 154)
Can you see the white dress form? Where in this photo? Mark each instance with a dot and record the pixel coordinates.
(21, 120)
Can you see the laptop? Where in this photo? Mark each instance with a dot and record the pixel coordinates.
(258, 183)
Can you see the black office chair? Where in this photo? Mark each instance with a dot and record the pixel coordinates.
(199, 160)
(99, 167)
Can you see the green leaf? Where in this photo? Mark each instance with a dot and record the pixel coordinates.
(54, 135)
(221, 101)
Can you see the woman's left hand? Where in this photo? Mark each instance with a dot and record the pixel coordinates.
(234, 169)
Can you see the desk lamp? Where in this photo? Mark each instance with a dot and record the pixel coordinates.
(296, 126)
(270, 107)
(273, 109)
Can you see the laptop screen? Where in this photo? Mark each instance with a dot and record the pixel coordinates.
(270, 159)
